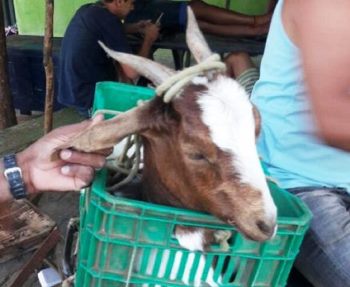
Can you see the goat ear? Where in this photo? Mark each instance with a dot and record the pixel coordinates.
(107, 133)
(153, 71)
(195, 39)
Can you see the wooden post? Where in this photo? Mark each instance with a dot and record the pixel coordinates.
(7, 111)
(48, 65)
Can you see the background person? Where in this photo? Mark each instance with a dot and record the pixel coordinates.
(83, 62)
(303, 95)
(211, 19)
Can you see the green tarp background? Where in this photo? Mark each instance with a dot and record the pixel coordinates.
(30, 15)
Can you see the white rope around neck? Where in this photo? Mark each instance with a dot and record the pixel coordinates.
(173, 85)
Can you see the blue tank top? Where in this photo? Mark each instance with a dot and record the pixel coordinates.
(288, 143)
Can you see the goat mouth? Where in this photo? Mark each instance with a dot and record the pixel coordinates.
(254, 235)
(232, 222)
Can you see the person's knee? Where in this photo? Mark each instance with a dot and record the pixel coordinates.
(237, 58)
(237, 63)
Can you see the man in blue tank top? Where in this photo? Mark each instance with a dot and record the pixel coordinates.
(83, 62)
(303, 95)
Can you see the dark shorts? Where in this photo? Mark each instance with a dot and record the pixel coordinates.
(173, 20)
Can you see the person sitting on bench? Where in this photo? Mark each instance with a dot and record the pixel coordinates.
(83, 62)
(211, 19)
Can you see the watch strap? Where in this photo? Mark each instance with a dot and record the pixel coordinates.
(13, 174)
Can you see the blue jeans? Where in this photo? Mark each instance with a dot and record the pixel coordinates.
(324, 257)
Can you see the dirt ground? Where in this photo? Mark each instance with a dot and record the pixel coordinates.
(60, 207)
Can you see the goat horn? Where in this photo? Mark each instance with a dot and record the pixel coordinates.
(195, 39)
(106, 134)
(153, 71)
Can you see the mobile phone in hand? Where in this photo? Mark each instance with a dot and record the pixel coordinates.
(159, 18)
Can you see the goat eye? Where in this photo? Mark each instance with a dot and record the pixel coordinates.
(197, 156)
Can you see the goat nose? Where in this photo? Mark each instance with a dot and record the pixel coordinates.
(268, 228)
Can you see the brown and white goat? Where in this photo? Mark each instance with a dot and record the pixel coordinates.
(199, 149)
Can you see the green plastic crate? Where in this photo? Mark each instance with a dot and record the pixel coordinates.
(119, 97)
(125, 242)
(30, 15)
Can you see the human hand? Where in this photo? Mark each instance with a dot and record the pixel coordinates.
(71, 171)
(151, 32)
(141, 26)
(138, 27)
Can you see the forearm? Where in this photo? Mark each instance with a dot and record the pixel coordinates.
(131, 28)
(5, 194)
(145, 48)
(216, 15)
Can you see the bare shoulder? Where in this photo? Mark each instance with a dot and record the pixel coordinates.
(323, 13)
(322, 29)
